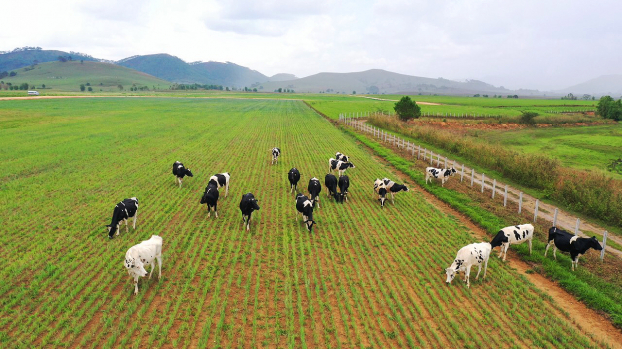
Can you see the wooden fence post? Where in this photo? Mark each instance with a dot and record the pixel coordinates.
(520, 202)
(494, 187)
(445, 162)
(418, 151)
(438, 160)
(472, 176)
(555, 217)
(576, 227)
(505, 196)
(462, 173)
(535, 213)
(482, 182)
(431, 156)
(602, 253)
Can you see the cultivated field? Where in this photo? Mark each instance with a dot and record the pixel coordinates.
(365, 277)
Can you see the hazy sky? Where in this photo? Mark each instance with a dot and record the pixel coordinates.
(517, 44)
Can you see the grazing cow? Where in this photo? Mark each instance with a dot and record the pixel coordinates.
(469, 255)
(305, 207)
(339, 165)
(138, 257)
(443, 174)
(314, 191)
(330, 181)
(294, 176)
(395, 188)
(180, 172)
(276, 152)
(221, 180)
(344, 184)
(566, 242)
(341, 157)
(512, 235)
(382, 192)
(123, 211)
(210, 197)
(247, 206)
(381, 183)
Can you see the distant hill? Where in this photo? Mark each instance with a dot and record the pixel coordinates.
(19, 59)
(68, 76)
(283, 77)
(377, 81)
(167, 67)
(230, 74)
(602, 85)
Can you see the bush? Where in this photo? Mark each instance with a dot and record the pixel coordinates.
(407, 109)
(528, 117)
(609, 109)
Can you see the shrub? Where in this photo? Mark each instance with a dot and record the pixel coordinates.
(528, 117)
(407, 109)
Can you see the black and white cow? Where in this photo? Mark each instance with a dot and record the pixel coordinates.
(294, 176)
(276, 152)
(382, 194)
(314, 191)
(381, 183)
(140, 256)
(469, 255)
(443, 174)
(247, 206)
(221, 180)
(516, 234)
(305, 207)
(344, 184)
(330, 181)
(567, 242)
(210, 197)
(124, 210)
(341, 157)
(339, 165)
(396, 188)
(180, 172)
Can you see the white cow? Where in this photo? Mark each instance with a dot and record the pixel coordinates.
(276, 152)
(473, 254)
(516, 234)
(142, 255)
(443, 174)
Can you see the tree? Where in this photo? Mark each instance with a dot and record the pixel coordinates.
(12, 73)
(62, 59)
(82, 88)
(43, 86)
(353, 92)
(407, 109)
(279, 90)
(120, 87)
(476, 95)
(90, 89)
(608, 108)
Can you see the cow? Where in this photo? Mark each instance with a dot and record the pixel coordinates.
(140, 256)
(382, 193)
(443, 174)
(247, 206)
(294, 176)
(381, 183)
(512, 235)
(341, 157)
(566, 242)
(314, 191)
(124, 210)
(344, 184)
(469, 255)
(180, 172)
(396, 188)
(330, 181)
(305, 207)
(276, 152)
(221, 180)
(339, 165)
(210, 197)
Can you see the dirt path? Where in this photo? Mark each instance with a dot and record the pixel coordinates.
(546, 211)
(585, 319)
(395, 100)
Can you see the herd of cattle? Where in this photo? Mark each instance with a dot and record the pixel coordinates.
(149, 252)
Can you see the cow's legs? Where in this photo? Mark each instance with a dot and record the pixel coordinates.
(216, 209)
(227, 190)
(392, 198)
(505, 250)
(467, 276)
(136, 284)
(135, 216)
(530, 247)
(159, 258)
(554, 252)
(209, 212)
(485, 267)
(547, 248)
(180, 183)
(152, 269)
(479, 270)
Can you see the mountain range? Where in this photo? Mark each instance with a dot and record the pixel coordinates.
(228, 74)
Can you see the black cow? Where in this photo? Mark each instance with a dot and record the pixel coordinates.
(396, 188)
(180, 172)
(247, 206)
(382, 192)
(314, 190)
(344, 184)
(330, 181)
(567, 242)
(210, 197)
(276, 152)
(339, 165)
(221, 180)
(305, 207)
(341, 157)
(124, 210)
(294, 176)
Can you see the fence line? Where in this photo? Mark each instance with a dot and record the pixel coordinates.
(351, 119)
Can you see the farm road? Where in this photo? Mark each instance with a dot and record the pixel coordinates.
(546, 212)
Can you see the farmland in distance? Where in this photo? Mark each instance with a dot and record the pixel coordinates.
(365, 277)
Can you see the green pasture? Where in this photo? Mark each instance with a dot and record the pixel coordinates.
(366, 277)
(586, 147)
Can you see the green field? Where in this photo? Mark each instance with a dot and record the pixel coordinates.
(365, 277)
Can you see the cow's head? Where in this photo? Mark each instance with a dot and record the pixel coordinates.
(593, 243)
(344, 158)
(451, 274)
(135, 266)
(253, 204)
(350, 165)
(310, 222)
(339, 197)
(111, 230)
(189, 173)
(452, 170)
